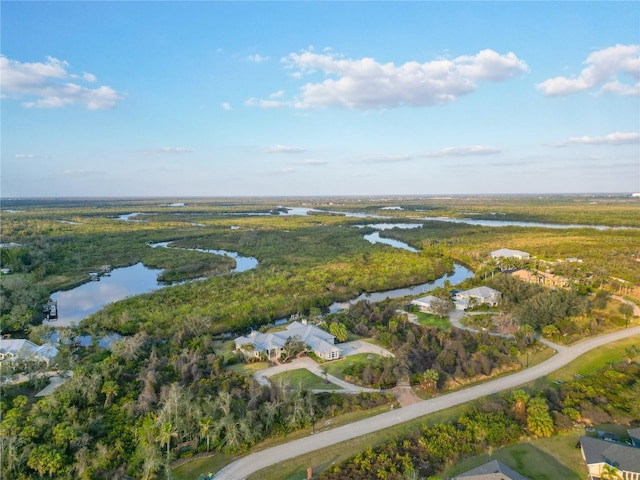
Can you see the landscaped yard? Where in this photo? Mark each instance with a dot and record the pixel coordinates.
(338, 367)
(248, 368)
(432, 320)
(305, 378)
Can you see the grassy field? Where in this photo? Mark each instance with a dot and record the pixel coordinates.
(306, 379)
(193, 469)
(430, 320)
(337, 368)
(596, 360)
(248, 368)
(537, 357)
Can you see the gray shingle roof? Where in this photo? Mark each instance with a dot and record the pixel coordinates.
(623, 457)
(317, 339)
(493, 470)
(634, 433)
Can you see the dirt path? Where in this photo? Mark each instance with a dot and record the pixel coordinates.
(405, 395)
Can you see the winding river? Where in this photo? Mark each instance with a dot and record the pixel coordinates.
(78, 303)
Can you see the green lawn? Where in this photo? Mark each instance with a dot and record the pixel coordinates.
(432, 320)
(537, 357)
(248, 368)
(338, 367)
(596, 360)
(198, 466)
(306, 379)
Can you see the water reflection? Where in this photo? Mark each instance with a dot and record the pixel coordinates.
(376, 238)
(242, 263)
(459, 274)
(77, 304)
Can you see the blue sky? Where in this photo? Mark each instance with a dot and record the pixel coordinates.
(319, 98)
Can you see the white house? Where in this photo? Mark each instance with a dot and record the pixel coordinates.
(479, 295)
(424, 304)
(16, 350)
(508, 253)
(271, 345)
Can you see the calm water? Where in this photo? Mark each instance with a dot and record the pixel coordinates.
(459, 274)
(77, 304)
(242, 263)
(509, 223)
(376, 238)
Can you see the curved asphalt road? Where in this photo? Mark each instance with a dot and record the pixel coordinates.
(243, 467)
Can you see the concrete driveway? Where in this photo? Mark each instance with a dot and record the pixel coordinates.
(360, 346)
(349, 348)
(242, 468)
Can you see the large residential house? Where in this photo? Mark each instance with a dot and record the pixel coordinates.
(508, 253)
(23, 350)
(493, 470)
(271, 345)
(424, 303)
(542, 278)
(600, 455)
(479, 296)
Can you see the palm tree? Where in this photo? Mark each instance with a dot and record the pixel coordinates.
(165, 435)
(206, 429)
(110, 389)
(520, 398)
(610, 472)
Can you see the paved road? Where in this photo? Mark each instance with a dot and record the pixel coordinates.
(249, 464)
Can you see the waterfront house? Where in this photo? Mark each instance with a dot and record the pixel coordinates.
(424, 304)
(23, 350)
(478, 296)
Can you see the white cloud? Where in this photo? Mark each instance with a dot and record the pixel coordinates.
(386, 159)
(30, 155)
(46, 84)
(312, 162)
(170, 150)
(366, 84)
(603, 68)
(463, 151)
(226, 106)
(256, 102)
(617, 138)
(257, 58)
(283, 149)
(82, 172)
